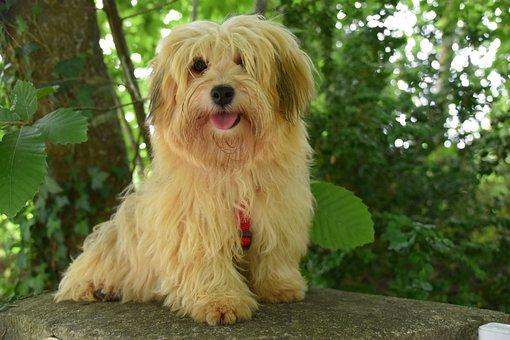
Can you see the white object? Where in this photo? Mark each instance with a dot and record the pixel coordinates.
(494, 331)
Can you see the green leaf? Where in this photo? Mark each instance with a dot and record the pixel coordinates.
(52, 186)
(24, 99)
(46, 91)
(27, 48)
(23, 168)
(5, 5)
(21, 25)
(82, 203)
(82, 228)
(63, 126)
(70, 68)
(7, 115)
(53, 225)
(341, 219)
(397, 240)
(98, 177)
(36, 10)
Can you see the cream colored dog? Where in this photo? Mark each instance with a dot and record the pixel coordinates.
(230, 147)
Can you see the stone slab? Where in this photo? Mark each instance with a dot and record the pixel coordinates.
(325, 313)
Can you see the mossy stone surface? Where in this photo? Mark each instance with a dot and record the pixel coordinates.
(325, 313)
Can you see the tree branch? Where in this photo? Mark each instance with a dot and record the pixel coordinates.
(87, 80)
(194, 10)
(111, 108)
(155, 8)
(137, 160)
(260, 7)
(119, 39)
(137, 157)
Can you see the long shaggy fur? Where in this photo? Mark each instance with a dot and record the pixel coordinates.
(176, 239)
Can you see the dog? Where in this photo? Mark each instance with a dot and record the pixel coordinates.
(223, 220)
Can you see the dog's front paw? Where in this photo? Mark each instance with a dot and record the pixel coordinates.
(281, 291)
(283, 295)
(224, 311)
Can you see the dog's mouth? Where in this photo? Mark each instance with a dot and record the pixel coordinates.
(225, 120)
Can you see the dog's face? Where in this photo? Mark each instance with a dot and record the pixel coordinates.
(221, 93)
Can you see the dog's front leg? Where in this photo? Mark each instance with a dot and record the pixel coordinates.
(211, 290)
(275, 277)
(280, 240)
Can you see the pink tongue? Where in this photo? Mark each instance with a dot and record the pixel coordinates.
(224, 121)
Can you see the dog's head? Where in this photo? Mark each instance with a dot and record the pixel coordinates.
(220, 93)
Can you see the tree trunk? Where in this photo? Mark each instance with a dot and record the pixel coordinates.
(447, 24)
(260, 7)
(194, 10)
(60, 45)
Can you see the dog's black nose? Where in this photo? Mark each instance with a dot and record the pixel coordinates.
(222, 94)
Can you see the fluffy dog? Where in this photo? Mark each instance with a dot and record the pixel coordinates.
(230, 150)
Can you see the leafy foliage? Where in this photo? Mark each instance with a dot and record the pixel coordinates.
(25, 168)
(419, 133)
(63, 126)
(24, 100)
(46, 91)
(22, 149)
(7, 115)
(341, 220)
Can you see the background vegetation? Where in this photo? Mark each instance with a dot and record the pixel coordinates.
(412, 115)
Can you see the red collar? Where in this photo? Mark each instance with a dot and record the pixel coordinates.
(244, 228)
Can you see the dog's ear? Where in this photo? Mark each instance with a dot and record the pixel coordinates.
(162, 90)
(294, 83)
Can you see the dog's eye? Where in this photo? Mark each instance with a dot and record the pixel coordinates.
(199, 65)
